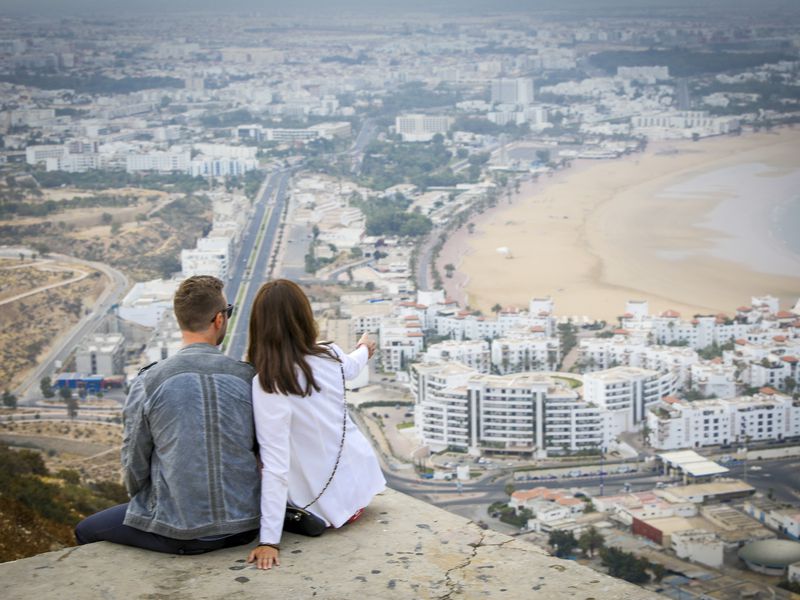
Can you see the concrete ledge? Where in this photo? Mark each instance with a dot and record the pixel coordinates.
(401, 548)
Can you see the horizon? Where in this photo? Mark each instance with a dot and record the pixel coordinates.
(386, 8)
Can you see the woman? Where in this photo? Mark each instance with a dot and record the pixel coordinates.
(298, 406)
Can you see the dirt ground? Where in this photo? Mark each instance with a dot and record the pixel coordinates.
(29, 325)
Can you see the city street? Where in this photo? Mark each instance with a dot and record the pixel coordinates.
(246, 284)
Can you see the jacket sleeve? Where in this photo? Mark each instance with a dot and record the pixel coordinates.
(137, 441)
(272, 414)
(353, 362)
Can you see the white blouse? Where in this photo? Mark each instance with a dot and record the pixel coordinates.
(299, 438)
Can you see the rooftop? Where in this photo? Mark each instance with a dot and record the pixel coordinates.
(775, 553)
(401, 548)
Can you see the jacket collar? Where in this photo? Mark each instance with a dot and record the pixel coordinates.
(200, 348)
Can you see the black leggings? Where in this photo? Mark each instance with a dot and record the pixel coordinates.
(108, 526)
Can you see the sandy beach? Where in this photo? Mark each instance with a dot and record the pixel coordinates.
(685, 225)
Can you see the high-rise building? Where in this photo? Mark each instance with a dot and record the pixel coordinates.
(512, 91)
(422, 128)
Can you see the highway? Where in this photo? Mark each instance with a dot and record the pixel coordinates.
(249, 238)
(253, 260)
(28, 391)
(364, 137)
(780, 476)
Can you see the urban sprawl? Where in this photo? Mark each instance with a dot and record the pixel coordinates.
(343, 155)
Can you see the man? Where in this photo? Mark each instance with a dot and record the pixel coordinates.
(188, 451)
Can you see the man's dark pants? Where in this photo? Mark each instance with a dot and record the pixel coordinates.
(108, 526)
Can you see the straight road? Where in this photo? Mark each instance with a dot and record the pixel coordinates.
(364, 137)
(249, 237)
(249, 283)
(423, 274)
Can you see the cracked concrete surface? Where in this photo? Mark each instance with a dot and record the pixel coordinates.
(400, 548)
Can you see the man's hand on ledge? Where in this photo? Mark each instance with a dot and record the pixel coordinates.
(264, 557)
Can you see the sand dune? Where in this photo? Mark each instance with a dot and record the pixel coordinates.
(598, 234)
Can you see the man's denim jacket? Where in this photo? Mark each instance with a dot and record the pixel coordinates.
(188, 451)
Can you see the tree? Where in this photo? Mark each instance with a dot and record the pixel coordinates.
(591, 540)
(46, 385)
(509, 489)
(449, 268)
(106, 218)
(658, 570)
(9, 400)
(625, 565)
(496, 308)
(72, 406)
(562, 542)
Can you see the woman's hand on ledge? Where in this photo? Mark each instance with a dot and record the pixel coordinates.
(369, 343)
(264, 557)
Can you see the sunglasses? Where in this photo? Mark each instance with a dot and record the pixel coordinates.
(228, 310)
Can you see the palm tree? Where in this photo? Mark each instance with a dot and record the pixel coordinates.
(449, 268)
(591, 540)
(496, 308)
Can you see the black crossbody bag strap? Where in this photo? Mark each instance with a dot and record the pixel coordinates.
(341, 444)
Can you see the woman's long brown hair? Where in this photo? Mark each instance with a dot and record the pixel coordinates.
(282, 335)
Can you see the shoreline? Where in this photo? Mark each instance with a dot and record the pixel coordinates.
(603, 232)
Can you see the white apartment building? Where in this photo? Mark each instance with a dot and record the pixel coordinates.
(525, 352)
(518, 91)
(147, 301)
(290, 135)
(226, 150)
(472, 353)
(221, 167)
(527, 413)
(210, 257)
(101, 354)
(74, 163)
(442, 412)
(683, 124)
(462, 324)
(40, 153)
(702, 331)
(699, 546)
(774, 372)
(166, 341)
(598, 354)
(421, 128)
(676, 424)
(400, 341)
(627, 392)
(714, 379)
(175, 161)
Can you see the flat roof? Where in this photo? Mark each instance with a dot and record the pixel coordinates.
(692, 463)
(708, 489)
(704, 469)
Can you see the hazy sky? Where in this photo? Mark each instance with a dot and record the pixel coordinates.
(371, 7)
